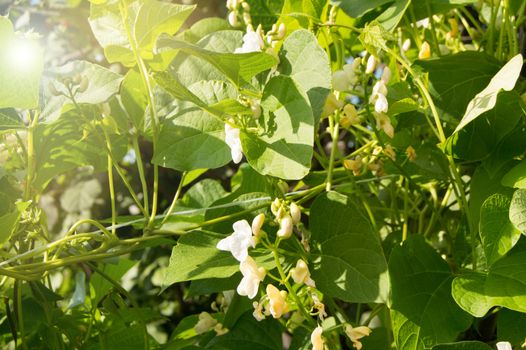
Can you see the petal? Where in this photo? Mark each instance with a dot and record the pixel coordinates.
(242, 226)
(225, 243)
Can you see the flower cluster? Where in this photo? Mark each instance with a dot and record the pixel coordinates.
(238, 9)
(244, 237)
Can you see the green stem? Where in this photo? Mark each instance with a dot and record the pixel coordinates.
(176, 197)
(112, 197)
(140, 168)
(335, 136)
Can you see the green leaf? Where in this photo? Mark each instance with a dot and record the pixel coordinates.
(143, 20)
(302, 58)
(463, 345)
(238, 68)
(9, 221)
(204, 27)
(283, 145)
(518, 210)
(390, 18)
(196, 257)
(351, 265)
(480, 138)
(503, 285)
(505, 79)
(516, 177)
(10, 120)
(511, 326)
(421, 297)
(102, 286)
(425, 8)
(455, 79)
(374, 37)
(358, 8)
(497, 233)
(193, 138)
(248, 333)
(102, 82)
(21, 65)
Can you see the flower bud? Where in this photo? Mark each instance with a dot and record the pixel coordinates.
(84, 82)
(232, 19)
(332, 104)
(282, 30)
(381, 105)
(316, 339)
(245, 6)
(411, 153)
(206, 323)
(425, 51)
(371, 65)
(246, 18)
(255, 107)
(274, 207)
(356, 64)
(283, 186)
(295, 213)
(390, 152)
(406, 45)
(301, 274)
(285, 227)
(257, 223)
(53, 89)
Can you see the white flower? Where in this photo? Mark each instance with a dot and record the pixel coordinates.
(357, 333)
(252, 275)
(423, 23)
(371, 65)
(206, 323)
(316, 339)
(380, 88)
(252, 42)
(301, 274)
(233, 141)
(381, 105)
(285, 227)
(239, 241)
(232, 19)
(277, 301)
(504, 345)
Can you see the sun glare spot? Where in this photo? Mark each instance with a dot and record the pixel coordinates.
(23, 54)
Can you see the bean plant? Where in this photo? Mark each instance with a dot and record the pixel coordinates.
(297, 174)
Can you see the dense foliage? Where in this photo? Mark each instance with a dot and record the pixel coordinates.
(297, 174)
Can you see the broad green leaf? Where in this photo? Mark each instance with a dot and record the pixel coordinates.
(423, 312)
(203, 27)
(10, 120)
(189, 69)
(390, 18)
(425, 8)
(248, 333)
(265, 12)
(100, 285)
(504, 285)
(196, 257)
(516, 177)
(302, 58)
(282, 147)
(138, 25)
(508, 149)
(351, 265)
(21, 65)
(102, 82)
(238, 68)
(455, 79)
(505, 79)
(193, 138)
(517, 212)
(479, 139)
(497, 233)
(199, 196)
(9, 220)
(463, 345)
(358, 8)
(511, 326)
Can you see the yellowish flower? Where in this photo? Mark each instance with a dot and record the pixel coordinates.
(357, 333)
(277, 301)
(425, 51)
(316, 339)
(301, 274)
